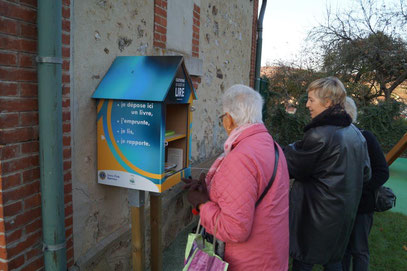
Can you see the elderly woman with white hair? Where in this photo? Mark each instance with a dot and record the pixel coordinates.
(256, 236)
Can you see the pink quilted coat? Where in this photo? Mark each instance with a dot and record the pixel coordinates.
(256, 238)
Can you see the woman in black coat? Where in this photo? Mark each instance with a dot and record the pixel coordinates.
(329, 166)
(358, 246)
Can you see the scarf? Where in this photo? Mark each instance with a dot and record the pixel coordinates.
(227, 147)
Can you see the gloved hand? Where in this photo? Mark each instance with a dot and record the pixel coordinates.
(198, 192)
(189, 182)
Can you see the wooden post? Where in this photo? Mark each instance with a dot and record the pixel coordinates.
(136, 199)
(155, 223)
(397, 150)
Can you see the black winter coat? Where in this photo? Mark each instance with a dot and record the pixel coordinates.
(380, 173)
(329, 166)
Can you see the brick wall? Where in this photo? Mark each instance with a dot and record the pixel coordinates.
(20, 199)
(160, 23)
(254, 37)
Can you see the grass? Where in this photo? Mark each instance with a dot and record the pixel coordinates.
(387, 242)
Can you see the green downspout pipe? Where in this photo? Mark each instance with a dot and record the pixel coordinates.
(259, 45)
(49, 68)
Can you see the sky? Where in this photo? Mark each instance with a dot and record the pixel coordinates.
(286, 24)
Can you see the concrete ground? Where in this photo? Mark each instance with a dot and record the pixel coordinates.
(173, 256)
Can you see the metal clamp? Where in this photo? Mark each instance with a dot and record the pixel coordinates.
(51, 248)
(48, 59)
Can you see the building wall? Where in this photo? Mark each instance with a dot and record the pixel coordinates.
(20, 199)
(215, 36)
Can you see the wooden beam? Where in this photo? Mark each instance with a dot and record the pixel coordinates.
(155, 223)
(137, 237)
(397, 150)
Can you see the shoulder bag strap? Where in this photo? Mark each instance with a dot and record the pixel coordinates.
(272, 177)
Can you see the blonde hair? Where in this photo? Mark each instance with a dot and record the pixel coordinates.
(350, 108)
(329, 88)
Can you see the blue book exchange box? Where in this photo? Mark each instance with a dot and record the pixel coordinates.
(144, 121)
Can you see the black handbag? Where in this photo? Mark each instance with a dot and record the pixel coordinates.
(385, 199)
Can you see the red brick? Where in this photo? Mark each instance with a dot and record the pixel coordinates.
(69, 255)
(23, 219)
(65, 78)
(16, 135)
(160, 29)
(8, 59)
(9, 151)
(66, 12)
(28, 118)
(28, 46)
(67, 165)
(160, 20)
(66, 52)
(10, 181)
(66, 102)
(67, 153)
(196, 22)
(30, 147)
(34, 265)
(67, 177)
(21, 192)
(20, 163)
(66, 115)
(68, 210)
(13, 236)
(66, 25)
(159, 44)
(29, 90)
(195, 42)
(67, 198)
(68, 221)
(195, 29)
(32, 201)
(68, 188)
(8, 89)
(31, 175)
(66, 39)
(66, 127)
(197, 8)
(3, 225)
(3, 253)
(18, 12)
(66, 2)
(33, 252)
(18, 44)
(20, 247)
(160, 11)
(4, 266)
(8, 26)
(8, 120)
(29, 31)
(65, 65)
(68, 233)
(195, 35)
(33, 226)
(12, 209)
(17, 74)
(32, 3)
(2, 241)
(15, 263)
(18, 104)
(27, 61)
(66, 89)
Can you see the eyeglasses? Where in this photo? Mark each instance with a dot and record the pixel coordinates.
(221, 119)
